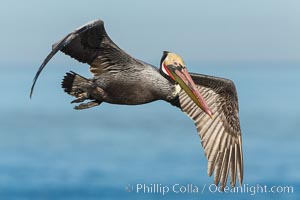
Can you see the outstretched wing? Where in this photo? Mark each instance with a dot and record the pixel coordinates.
(91, 44)
(220, 136)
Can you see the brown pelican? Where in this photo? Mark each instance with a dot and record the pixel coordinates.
(121, 79)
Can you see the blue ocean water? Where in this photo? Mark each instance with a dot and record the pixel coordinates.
(50, 151)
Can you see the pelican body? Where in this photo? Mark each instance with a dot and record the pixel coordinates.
(119, 78)
(135, 87)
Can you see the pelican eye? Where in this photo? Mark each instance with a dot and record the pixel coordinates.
(182, 66)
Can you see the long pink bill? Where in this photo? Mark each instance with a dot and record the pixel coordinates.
(187, 84)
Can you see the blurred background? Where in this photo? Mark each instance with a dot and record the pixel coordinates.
(50, 151)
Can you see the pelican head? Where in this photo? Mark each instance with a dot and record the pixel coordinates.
(173, 67)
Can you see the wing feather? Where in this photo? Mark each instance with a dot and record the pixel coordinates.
(221, 136)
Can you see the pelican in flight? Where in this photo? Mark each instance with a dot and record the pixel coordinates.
(118, 78)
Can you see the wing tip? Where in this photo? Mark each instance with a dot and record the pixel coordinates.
(30, 94)
(34, 81)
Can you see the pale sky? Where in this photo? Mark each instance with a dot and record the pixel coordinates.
(232, 30)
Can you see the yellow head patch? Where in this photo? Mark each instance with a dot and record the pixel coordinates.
(174, 59)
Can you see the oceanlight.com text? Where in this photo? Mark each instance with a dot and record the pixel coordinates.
(164, 189)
